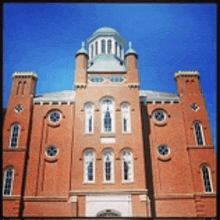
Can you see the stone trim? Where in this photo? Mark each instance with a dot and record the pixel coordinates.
(11, 197)
(133, 85)
(194, 147)
(17, 149)
(45, 199)
(25, 74)
(109, 191)
(189, 73)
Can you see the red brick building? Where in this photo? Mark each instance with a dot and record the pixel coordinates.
(108, 148)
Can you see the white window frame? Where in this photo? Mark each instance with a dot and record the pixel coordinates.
(88, 159)
(127, 116)
(103, 108)
(115, 76)
(201, 134)
(96, 76)
(18, 135)
(92, 51)
(4, 181)
(111, 167)
(131, 174)
(89, 113)
(210, 178)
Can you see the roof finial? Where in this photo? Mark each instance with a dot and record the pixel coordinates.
(129, 44)
(83, 44)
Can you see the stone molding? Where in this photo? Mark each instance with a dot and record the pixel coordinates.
(108, 191)
(25, 74)
(189, 73)
(45, 198)
(133, 85)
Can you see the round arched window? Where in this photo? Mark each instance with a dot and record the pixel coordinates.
(55, 116)
(52, 151)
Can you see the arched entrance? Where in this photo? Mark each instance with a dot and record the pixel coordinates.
(108, 213)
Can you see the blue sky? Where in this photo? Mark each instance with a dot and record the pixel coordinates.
(44, 37)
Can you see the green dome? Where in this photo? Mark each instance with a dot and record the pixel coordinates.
(105, 30)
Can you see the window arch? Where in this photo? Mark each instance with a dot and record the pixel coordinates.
(89, 166)
(126, 118)
(107, 115)
(199, 133)
(15, 131)
(108, 166)
(8, 181)
(109, 46)
(127, 166)
(206, 178)
(96, 47)
(89, 118)
(103, 46)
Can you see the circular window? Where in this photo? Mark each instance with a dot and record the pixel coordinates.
(55, 116)
(18, 108)
(159, 115)
(51, 151)
(194, 107)
(163, 150)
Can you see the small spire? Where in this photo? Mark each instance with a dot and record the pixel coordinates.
(83, 44)
(130, 44)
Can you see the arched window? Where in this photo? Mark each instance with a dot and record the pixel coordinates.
(199, 134)
(89, 166)
(89, 118)
(92, 51)
(116, 48)
(96, 47)
(206, 178)
(15, 130)
(126, 121)
(120, 51)
(127, 165)
(109, 46)
(103, 46)
(8, 180)
(108, 166)
(107, 115)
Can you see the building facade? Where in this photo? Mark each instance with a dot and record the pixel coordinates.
(107, 148)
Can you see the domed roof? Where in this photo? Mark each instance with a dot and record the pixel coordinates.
(104, 30)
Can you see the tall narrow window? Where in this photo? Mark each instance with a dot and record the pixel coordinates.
(7, 183)
(15, 129)
(120, 51)
(23, 87)
(116, 48)
(89, 166)
(89, 118)
(107, 117)
(19, 87)
(96, 47)
(206, 179)
(92, 51)
(127, 165)
(103, 46)
(109, 46)
(126, 125)
(199, 134)
(108, 166)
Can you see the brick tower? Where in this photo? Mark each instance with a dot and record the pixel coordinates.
(17, 127)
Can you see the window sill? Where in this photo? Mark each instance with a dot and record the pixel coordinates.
(126, 133)
(128, 182)
(105, 182)
(85, 183)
